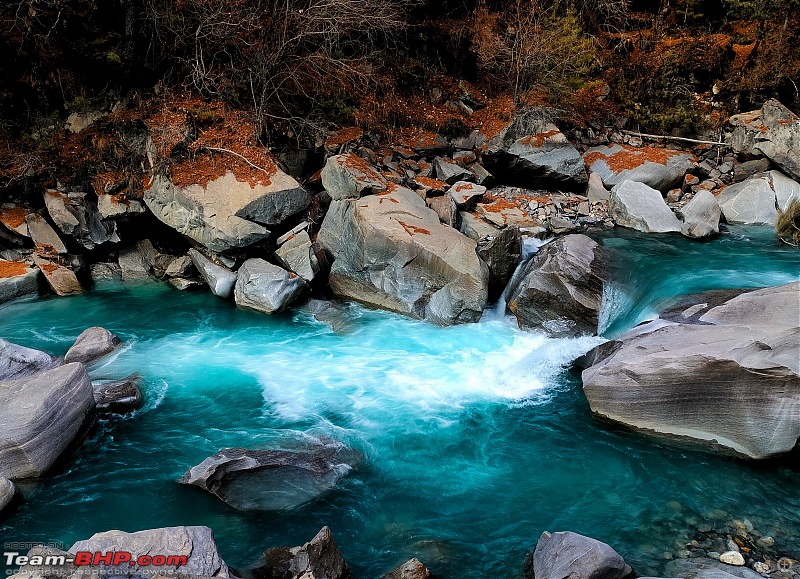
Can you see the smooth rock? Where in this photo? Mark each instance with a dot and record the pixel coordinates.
(267, 288)
(560, 289)
(701, 216)
(392, 252)
(219, 279)
(40, 415)
(786, 189)
(732, 558)
(7, 493)
(298, 254)
(196, 543)
(449, 172)
(751, 202)
(569, 555)
(349, 176)
(267, 480)
(19, 362)
(734, 381)
(704, 568)
(17, 279)
(445, 208)
(118, 396)
(637, 206)
(61, 280)
(92, 344)
(48, 243)
(320, 558)
(411, 569)
(466, 194)
(661, 169)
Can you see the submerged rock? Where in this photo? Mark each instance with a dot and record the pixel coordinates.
(40, 415)
(267, 288)
(266, 480)
(560, 289)
(195, 543)
(320, 558)
(392, 252)
(220, 279)
(569, 555)
(20, 362)
(661, 169)
(92, 344)
(118, 396)
(730, 376)
(637, 206)
(411, 569)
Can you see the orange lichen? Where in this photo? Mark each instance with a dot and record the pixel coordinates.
(494, 117)
(630, 158)
(353, 161)
(412, 229)
(431, 183)
(13, 217)
(49, 267)
(12, 269)
(538, 139)
(343, 136)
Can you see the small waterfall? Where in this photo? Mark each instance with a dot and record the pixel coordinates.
(530, 245)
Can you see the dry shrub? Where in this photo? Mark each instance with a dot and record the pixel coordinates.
(788, 224)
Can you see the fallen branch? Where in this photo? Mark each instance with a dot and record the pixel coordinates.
(671, 138)
(242, 157)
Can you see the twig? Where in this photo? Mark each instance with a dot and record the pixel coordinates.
(671, 138)
(242, 157)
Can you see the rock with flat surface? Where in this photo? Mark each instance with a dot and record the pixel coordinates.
(786, 189)
(751, 202)
(502, 212)
(411, 569)
(705, 568)
(181, 267)
(661, 169)
(320, 558)
(466, 194)
(701, 216)
(267, 288)
(596, 191)
(450, 172)
(134, 265)
(349, 176)
(14, 219)
(47, 241)
(40, 415)
(18, 361)
(61, 279)
(118, 396)
(226, 213)
(92, 344)
(569, 555)
(75, 215)
(195, 543)
(637, 206)
(220, 279)
(299, 255)
(560, 289)
(17, 279)
(7, 492)
(392, 252)
(445, 208)
(117, 207)
(268, 480)
(730, 376)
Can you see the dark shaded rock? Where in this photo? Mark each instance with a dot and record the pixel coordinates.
(92, 344)
(118, 396)
(7, 493)
(569, 555)
(450, 172)
(411, 569)
(502, 254)
(320, 558)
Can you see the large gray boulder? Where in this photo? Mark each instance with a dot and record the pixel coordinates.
(7, 492)
(134, 265)
(706, 568)
(226, 213)
(751, 202)
(40, 415)
(560, 289)
(786, 189)
(773, 131)
(727, 374)
(219, 278)
(637, 206)
(392, 252)
(92, 344)
(543, 158)
(17, 279)
(267, 288)
(349, 176)
(661, 169)
(320, 558)
(75, 215)
(701, 216)
(19, 362)
(267, 480)
(195, 544)
(299, 254)
(569, 555)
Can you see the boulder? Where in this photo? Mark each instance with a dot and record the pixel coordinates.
(7, 493)
(637, 206)
(501, 253)
(705, 568)
(61, 279)
(226, 213)
(299, 255)
(118, 396)
(349, 176)
(44, 569)
(728, 374)
(773, 131)
(560, 289)
(701, 216)
(596, 191)
(450, 172)
(75, 215)
(40, 415)
(134, 265)
(47, 241)
(268, 480)
(105, 272)
(19, 362)
(220, 279)
(411, 569)
(17, 279)
(14, 220)
(92, 344)
(502, 212)
(195, 543)
(445, 208)
(466, 194)
(118, 207)
(180, 267)
(183, 283)
(392, 252)
(320, 558)
(156, 261)
(751, 202)
(545, 158)
(661, 169)
(786, 189)
(569, 555)
(267, 288)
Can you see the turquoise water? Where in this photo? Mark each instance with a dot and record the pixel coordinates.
(477, 438)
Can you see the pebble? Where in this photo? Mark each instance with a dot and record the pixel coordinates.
(732, 546)
(713, 555)
(732, 558)
(765, 542)
(668, 555)
(704, 528)
(760, 567)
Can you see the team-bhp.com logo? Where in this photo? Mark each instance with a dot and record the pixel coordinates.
(96, 559)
